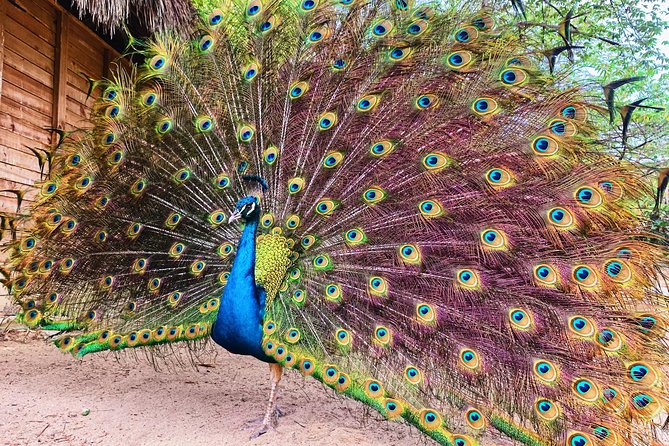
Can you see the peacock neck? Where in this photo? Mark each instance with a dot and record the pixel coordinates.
(245, 259)
(238, 326)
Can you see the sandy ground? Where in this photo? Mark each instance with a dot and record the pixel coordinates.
(44, 394)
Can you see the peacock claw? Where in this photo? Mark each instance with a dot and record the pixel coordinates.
(273, 420)
(265, 425)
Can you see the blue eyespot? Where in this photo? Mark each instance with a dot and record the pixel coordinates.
(583, 387)
(426, 206)
(579, 440)
(541, 145)
(250, 74)
(455, 59)
(557, 215)
(585, 195)
(414, 29)
(380, 30)
(518, 315)
(647, 323)
(215, 19)
(545, 406)
(295, 92)
(462, 36)
(481, 105)
(424, 101)
(509, 77)
(397, 53)
(479, 23)
(308, 5)
(370, 195)
(638, 372)
(315, 36)
(614, 268)
(569, 112)
(253, 10)
(265, 26)
(582, 273)
(559, 128)
(601, 432)
(605, 336)
(579, 323)
(339, 64)
(543, 368)
(642, 400)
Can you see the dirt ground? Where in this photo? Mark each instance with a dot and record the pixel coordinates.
(44, 394)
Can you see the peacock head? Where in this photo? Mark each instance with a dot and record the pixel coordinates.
(246, 208)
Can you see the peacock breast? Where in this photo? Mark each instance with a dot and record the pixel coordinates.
(274, 256)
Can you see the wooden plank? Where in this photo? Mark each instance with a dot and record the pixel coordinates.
(24, 127)
(16, 140)
(24, 97)
(42, 11)
(25, 43)
(25, 161)
(87, 58)
(21, 177)
(2, 40)
(17, 78)
(43, 30)
(106, 62)
(60, 72)
(20, 111)
(45, 77)
(28, 54)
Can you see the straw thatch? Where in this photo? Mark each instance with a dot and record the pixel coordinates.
(151, 14)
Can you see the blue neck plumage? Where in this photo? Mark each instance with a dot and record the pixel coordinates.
(238, 326)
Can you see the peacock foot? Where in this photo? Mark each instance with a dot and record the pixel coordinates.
(264, 424)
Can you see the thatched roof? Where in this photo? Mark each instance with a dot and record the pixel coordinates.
(151, 14)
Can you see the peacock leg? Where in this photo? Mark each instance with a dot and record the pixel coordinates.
(272, 413)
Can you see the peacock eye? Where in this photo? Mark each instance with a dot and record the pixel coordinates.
(545, 146)
(250, 71)
(398, 54)
(381, 28)
(378, 286)
(295, 185)
(215, 18)
(308, 5)
(339, 64)
(485, 106)
(245, 133)
(468, 278)
(333, 292)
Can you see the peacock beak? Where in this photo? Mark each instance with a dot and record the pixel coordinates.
(236, 215)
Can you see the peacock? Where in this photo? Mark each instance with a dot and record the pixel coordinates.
(387, 196)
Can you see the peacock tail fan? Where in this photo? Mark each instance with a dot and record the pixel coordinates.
(442, 236)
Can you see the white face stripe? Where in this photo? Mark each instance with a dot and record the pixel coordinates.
(251, 207)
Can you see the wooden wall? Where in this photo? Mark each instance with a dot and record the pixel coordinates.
(43, 51)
